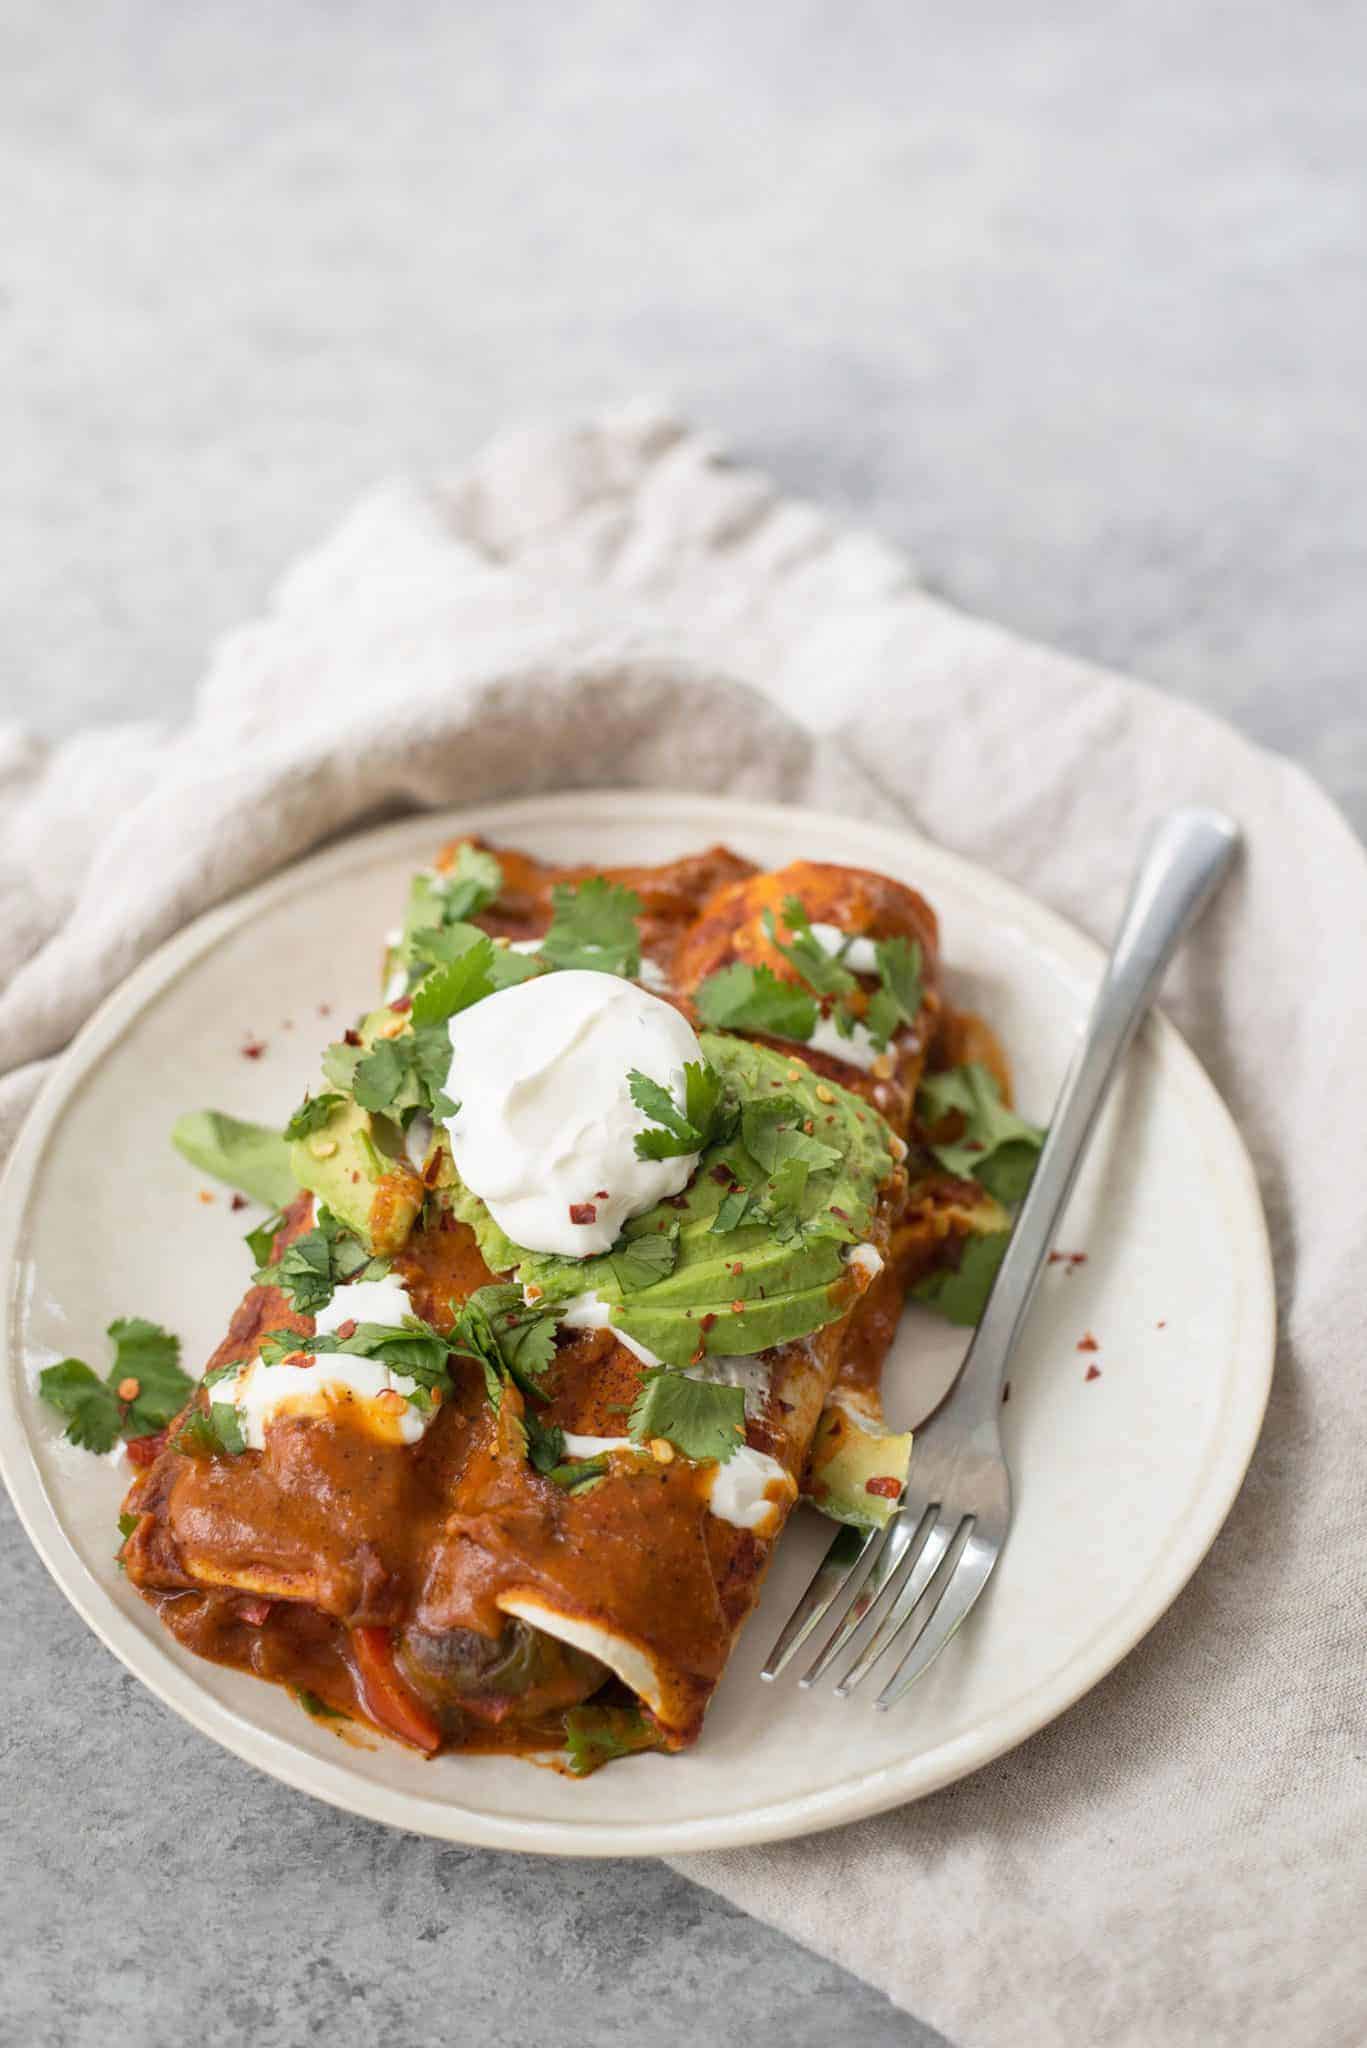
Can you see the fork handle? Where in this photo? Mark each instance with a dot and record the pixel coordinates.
(1186, 858)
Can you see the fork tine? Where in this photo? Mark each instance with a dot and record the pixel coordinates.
(889, 1554)
(833, 1575)
(971, 1574)
(932, 1555)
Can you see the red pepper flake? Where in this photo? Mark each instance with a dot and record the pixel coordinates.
(351, 1037)
(355, 1173)
(583, 1212)
(1068, 1259)
(843, 1214)
(1162, 1326)
(296, 1358)
(347, 1329)
(886, 1487)
(738, 1308)
(707, 1323)
(676, 1201)
(1006, 1392)
(722, 1175)
(324, 1009)
(1088, 1343)
(602, 1195)
(737, 1269)
(975, 1145)
(402, 1004)
(145, 1450)
(205, 1196)
(253, 1049)
(1093, 1372)
(238, 1202)
(1056, 1258)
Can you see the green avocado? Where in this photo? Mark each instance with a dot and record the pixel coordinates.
(743, 1290)
(848, 1458)
(343, 1163)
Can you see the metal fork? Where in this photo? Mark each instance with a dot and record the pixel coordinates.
(915, 1581)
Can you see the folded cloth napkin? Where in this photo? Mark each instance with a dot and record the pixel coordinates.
(1179, 1859)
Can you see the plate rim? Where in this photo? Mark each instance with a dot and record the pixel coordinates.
(874, 1791)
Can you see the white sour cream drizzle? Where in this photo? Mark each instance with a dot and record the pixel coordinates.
(590, 1312)
(860, 955)
(749, 1491)
(858, 1049)
(547, 1123)
(750, 1372)
(260, 1392)
(867, 1257)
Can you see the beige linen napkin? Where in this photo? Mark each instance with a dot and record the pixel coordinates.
(1180, 1859)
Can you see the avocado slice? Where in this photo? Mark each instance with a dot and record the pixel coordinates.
(856, 1470)
(356, 1166)
(742, 1290)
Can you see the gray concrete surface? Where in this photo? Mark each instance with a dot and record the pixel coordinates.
(1069, 299)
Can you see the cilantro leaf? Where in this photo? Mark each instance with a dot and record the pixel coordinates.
(594, 925)
(145, 1352)
(640, 1261)
(959, 1293)
(745, 998)
(682, 1131)
(340, 1062)
(311, 1268)
(97, 1414)
(438, 900)
(771, 1128)
(312, 1114)
(731, 1211)
(823, 974)
(701, 1418)
(972, 1132)
(579, 1474)
(898, 998)
(465, 978)
(207, 1430)
(510, 1341)
(400, 1076)
(91, 1408)
(545, 1443)
(261, 1238)
(470, 884)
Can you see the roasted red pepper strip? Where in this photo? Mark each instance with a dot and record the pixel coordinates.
(387, 1699)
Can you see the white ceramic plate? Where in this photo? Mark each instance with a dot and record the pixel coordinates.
(1121, 1481)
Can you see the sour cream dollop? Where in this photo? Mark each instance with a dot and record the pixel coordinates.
(546, 1130)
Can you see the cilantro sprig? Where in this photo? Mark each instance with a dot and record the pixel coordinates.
(749, 998)
(973, 1134)
(594, 925)
(707, 1116)
(313, 1114)
(823, 972)
(746, 998)
(100, 1411)
(774, 1134)
(310, 1269)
